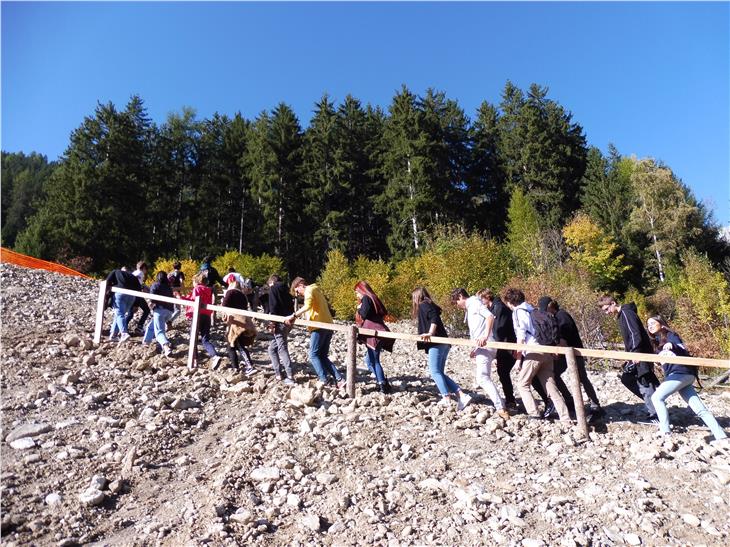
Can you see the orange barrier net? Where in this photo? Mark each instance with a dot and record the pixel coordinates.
(11, 257)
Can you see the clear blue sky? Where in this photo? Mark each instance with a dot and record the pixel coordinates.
(652, 78)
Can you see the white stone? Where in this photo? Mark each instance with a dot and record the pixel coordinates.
(53, 498)
(265, 474)
(23, 444)
(92, 497)
(28, 430)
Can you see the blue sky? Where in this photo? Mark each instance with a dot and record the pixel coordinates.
(652, 78)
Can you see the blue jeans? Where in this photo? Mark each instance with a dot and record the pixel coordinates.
(682, 384)
(372, 360)
(156, 328)
(319, 348)
(122, 305)
(437, 355)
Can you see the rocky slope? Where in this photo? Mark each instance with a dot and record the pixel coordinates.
(118, 445)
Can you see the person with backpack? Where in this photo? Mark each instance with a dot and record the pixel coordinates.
(533, 327)
(480, 322)
(570, 337)
(678, 379)
(139, 302)
(504, 331)
(211, 276)
(637, 376)
(560, 365)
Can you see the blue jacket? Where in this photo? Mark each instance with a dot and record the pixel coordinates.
(680, 350)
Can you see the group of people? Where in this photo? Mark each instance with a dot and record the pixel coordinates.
(487, 317)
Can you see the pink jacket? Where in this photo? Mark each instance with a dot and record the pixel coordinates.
(206, 297)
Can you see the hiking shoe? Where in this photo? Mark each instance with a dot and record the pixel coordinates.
(124, 337)
(549, 411)
(512, 407)
(289, 382)
(167, 350)
(464, 400)
(649, 420)
(503, 414)
(215, 362)
(595, 414)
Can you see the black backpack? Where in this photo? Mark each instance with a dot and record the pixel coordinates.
(546, 328)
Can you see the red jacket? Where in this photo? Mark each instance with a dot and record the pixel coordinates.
(206, 297)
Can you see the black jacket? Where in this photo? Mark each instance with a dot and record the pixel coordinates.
(123, 280)
(280, 302)
(161, 289)
(504, 330)
(568, 329)
(428, 314)
(636, 339)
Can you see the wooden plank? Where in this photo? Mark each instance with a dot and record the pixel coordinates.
(351, 361)
(555, 350)
(194, 333)
(100, 312)
(575, 389)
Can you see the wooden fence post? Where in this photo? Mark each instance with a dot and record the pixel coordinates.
(351, 361)
(194, 334)
(100, 312)
(580, 411)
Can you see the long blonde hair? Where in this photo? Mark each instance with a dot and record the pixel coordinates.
(419, 295)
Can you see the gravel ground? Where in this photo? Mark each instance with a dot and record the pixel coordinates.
(119, 445)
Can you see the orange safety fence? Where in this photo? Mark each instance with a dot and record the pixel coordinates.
(11, 257)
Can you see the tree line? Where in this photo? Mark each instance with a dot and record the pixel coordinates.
(358, 180)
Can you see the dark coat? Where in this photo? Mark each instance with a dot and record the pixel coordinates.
(636, 339)
(428, 314)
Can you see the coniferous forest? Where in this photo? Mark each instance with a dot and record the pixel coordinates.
(359, 181)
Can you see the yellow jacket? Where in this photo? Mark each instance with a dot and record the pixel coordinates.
(315, 306)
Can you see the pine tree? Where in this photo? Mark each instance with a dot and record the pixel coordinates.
(95, 206)
(543, 152)
(408, 198)
(486, 191)
(274, 166)
(23, 179)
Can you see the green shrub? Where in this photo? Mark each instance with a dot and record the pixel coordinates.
(337, 282)
(258, 268)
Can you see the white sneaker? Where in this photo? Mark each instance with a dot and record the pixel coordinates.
(124, 337)
(445, 401)
(289, 382)
(250, 371)
(464, 400)
(167, 350)
(215, 362)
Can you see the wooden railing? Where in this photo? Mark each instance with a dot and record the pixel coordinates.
(352, 332)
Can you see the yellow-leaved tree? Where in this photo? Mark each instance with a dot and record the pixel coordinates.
(591, 248)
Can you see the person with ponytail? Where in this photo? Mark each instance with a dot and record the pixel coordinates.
(371, 315)
(678, 379)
